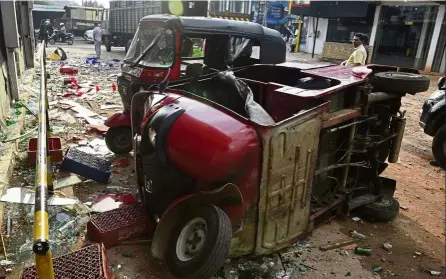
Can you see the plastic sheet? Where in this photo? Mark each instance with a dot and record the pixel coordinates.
(255, 111)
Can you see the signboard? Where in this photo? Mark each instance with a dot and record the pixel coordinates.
(275, 13)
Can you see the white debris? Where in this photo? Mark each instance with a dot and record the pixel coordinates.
(27, 196)
(387, 246)
(356, 219)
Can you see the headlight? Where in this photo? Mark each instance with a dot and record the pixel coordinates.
(152, 136)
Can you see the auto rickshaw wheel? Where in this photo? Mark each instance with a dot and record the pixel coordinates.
(199, 244)
(119, 140)
(383, 210)
(439, 146)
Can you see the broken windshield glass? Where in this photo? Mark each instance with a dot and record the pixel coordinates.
(152, 46)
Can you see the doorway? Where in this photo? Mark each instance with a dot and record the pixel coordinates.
(404, 35)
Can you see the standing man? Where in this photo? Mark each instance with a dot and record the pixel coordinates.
(63, 32)
(97, 37)
(359, 55)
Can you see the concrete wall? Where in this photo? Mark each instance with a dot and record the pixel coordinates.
(340, 51)
(320, 40)
(4, 98)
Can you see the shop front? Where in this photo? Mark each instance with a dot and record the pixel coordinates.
(404, 34)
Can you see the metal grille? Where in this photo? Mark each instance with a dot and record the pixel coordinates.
(126, 19)
(86, 263)
(119, 218)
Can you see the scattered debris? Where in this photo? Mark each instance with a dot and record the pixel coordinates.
(357, 235)
(128, 254)
(6, 262)
(107, 202)
(87, 165)
(338, 245)
(405, 208)
(27, 196)
(418, 253)
(378, 269)
(67, 181)
(363, 251)
(387, 246)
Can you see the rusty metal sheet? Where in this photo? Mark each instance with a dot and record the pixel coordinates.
(289, 160)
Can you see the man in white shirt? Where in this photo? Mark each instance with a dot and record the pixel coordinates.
(359, 55)
(97, 37)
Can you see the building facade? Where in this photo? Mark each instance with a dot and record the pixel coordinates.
(401, 33)
(16, 50)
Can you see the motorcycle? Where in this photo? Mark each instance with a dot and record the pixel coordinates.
(58, 36)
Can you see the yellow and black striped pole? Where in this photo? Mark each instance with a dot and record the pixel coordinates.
(44, 185)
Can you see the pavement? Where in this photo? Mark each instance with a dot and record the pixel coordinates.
(9, 149)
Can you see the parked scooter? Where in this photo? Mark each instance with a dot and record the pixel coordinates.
(60, 37)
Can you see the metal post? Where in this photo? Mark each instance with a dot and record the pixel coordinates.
(299, 30)
(315, 35)
(41, 247)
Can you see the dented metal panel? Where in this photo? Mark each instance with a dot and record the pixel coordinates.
(289, 159)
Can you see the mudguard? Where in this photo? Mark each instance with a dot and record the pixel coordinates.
(118, 119)
(228, 195)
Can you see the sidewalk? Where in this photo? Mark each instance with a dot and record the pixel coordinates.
(302, 57)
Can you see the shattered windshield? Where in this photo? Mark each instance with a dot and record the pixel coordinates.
(153, 46)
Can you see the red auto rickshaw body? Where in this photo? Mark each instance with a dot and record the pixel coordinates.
(278, 151)
(163, 45)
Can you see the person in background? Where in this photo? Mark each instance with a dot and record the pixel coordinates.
(359, 55)
(45, 31)
(63, 32)
(97, 37)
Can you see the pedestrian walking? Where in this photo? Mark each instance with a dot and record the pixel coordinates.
(97, 37)
(359, 55)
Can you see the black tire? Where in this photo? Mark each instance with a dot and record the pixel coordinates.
(52, 41)
(439, 146)
(213, 252)
(400, 82)
(107, 44)
(119, 140)
(70, 42)
(380, 211)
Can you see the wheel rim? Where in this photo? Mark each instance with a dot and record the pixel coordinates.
(122, 140)
(191, 239)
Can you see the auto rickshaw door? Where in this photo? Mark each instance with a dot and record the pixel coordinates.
(289, 159)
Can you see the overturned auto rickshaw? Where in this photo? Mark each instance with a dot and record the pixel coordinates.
(166, 46)
(247, 161)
